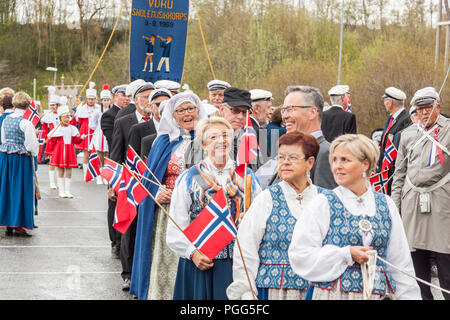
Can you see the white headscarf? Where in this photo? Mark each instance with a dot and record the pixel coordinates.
(168, 125)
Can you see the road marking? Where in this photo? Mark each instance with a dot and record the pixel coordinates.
(42, 246)
(74, 211)
(60, 272)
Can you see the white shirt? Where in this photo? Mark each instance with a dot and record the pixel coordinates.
(315, 262)
(31, 142)
(396, 114)
(251, 232)
(179, 209)
(67, 132)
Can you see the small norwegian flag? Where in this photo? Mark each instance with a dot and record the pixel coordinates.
(135, 163)
(379, 181)
(112, 172)
(130, 194)
(93, 169)
(390, 154)
(248, 148)
(214, 227)
(32, 115)
(348, 108)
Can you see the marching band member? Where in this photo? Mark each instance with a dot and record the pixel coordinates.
(84, 118)
(49, 122)
(64, 158)
(332, 237)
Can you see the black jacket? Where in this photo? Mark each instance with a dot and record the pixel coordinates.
(107, 123)
(120, 139)
(336, 122)
(140, 131)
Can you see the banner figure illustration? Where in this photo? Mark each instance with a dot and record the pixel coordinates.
(158, 39)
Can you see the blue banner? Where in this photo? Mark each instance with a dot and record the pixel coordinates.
(158, 39)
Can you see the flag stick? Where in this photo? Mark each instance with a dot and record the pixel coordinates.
(240, 252)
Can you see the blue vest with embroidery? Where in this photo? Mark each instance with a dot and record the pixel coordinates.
(275, 269)
(201, 194)
(344, 231)
(14, 137)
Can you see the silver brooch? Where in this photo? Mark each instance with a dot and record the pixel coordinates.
(365, 225)
(299, 197)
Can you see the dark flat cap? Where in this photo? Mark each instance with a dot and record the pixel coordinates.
(235, 97)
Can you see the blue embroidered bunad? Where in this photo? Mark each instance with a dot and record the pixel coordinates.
(344, 231)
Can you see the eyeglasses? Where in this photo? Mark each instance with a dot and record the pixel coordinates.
(424, 108)
(291, 159)
(183, 111)
(289, 109)
(225, 136)
(236, 111)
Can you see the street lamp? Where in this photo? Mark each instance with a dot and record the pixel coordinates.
(53, 70)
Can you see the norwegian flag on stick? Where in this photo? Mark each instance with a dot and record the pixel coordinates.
(112, 172)
(214, 228)
(93, 169)
(379, 181)
(134, 162)
(130, 194)
(248, 148)
(390, 154)
(32, 115)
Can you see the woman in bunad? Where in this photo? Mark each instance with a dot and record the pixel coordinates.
(198, 277)
(98, 141)
(62, 141)
(266, 229)
(84, 119)
(49, 122)
(154, 264)
(19, 145)
(331, 239)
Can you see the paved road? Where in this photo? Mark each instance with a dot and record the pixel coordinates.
(69, 255)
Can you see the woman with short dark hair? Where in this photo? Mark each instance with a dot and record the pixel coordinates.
(266, 229)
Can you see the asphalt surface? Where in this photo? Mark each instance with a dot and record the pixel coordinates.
(69, 255)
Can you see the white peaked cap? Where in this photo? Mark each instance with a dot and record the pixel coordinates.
(394, 93)
(339, 90)
(133, 86)
(167, 84)
(259, 94)
(54, 99)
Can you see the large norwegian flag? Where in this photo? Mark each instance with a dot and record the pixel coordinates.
(379, 181)
(135, 163)
(130, 194)
(32, 115)
(248, 148)
(93, 169)
(112, 172)
(390, 154)
(214, 227)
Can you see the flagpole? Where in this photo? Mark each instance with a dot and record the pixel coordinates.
(245, 167)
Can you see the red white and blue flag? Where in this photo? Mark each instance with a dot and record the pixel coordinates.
(379, 181)
(135, 163)
(248, 148)
(214, 227)
(93, 168)
(32, 115)
(130, 194)
(390, 154)
(348, 108)
(112, 172)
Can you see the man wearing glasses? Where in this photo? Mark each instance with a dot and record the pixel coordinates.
(302, 111)
(421, 189)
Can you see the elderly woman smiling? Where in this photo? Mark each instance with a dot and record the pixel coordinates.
(200, 278)
(266, 229)
(154, 264)
(331, 240)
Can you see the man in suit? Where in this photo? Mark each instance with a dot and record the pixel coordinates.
(118, 153)
(130, 91)
(302, 111)
(421, 189)
(336, 121)
(120, 101)
(142, 130)
(399, 119)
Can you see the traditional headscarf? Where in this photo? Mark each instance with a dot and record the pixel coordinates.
(168, 125)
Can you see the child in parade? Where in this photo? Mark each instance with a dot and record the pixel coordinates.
(64, 158)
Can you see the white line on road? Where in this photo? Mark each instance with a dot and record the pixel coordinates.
(42, 246)
(61, 272)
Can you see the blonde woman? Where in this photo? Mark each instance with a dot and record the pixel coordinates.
(330, 241)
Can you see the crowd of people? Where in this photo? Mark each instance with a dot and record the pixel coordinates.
(307, 214)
